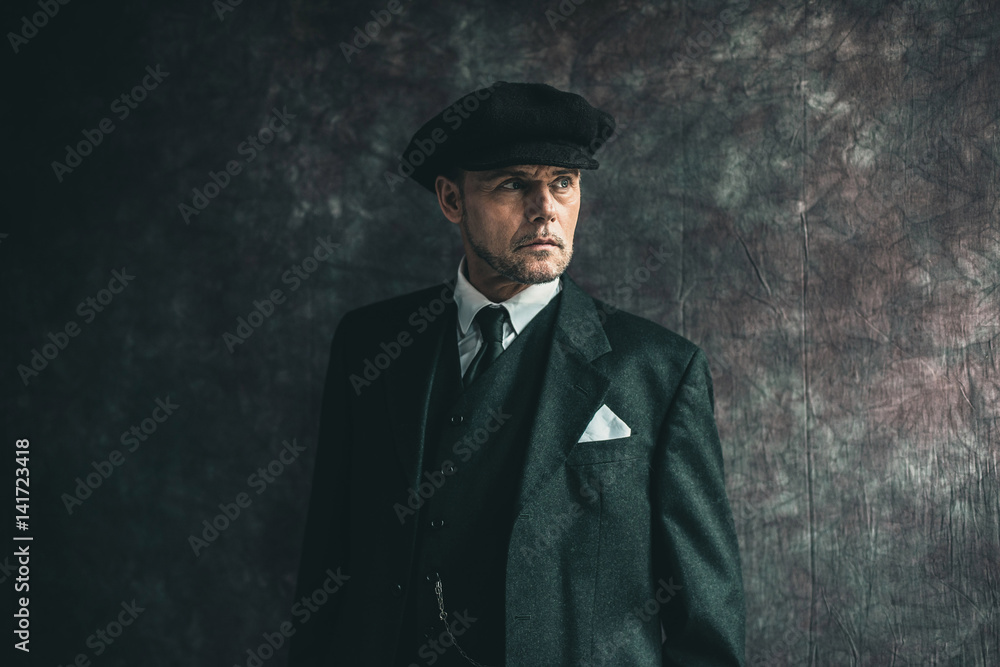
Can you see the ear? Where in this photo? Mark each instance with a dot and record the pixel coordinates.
(449, 198)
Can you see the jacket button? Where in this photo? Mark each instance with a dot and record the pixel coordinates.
(457, 419)
(397, 590)
(447, 468)
(437, 523)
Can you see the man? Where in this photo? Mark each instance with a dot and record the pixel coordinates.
(510, 472)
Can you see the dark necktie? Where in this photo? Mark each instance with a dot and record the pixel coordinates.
(490, 321)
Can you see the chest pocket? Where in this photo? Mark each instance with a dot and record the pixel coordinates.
(605, 451)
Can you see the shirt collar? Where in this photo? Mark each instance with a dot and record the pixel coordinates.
(521, 307)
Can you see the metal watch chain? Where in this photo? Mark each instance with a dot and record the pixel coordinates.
(439, 592)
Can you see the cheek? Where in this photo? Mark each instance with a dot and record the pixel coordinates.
(570, 217)
(492, 226)
(571, 206)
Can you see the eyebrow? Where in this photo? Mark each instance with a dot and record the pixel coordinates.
(496, 173)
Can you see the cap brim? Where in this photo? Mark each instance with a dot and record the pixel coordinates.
(540, 152)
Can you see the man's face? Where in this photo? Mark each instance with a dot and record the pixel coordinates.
(517, 224)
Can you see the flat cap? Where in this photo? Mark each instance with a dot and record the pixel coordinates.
(506, 124)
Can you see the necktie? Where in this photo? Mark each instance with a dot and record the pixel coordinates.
(490, 321)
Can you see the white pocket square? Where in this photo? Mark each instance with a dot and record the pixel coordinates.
(605, 425)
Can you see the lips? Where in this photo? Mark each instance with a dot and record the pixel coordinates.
(538, 243)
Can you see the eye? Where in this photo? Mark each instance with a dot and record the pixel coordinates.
(512, 182)
(565, 182)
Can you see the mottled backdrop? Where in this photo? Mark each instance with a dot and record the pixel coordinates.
(822, 178)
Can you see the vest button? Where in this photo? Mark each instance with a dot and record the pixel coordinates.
(447, 468)
(397, 590)
(437, 523)
(457, 419)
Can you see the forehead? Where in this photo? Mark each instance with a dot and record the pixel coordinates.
(526, 171)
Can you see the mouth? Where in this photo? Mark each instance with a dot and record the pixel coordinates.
(539, 244)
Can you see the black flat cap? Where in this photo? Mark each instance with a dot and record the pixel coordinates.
(506, 124)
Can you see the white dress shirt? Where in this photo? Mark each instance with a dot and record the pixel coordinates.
(521, 308)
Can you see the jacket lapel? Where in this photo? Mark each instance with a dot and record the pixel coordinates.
(572, 389)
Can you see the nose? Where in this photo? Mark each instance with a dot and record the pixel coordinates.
(540, 206)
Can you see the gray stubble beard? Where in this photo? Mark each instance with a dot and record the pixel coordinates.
(508, 266)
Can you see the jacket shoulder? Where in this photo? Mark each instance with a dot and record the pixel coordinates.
(629, 331)
(398, 313)
(653, 355)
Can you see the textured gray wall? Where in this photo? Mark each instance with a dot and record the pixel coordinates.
(822, 177)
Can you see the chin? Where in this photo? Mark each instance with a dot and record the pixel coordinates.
(534, 273)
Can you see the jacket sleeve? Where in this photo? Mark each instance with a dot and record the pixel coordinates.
(326, 544)
(694, 538)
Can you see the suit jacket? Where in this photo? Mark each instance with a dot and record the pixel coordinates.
(615, 542)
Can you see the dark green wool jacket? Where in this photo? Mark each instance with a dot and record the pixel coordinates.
(612, 545)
